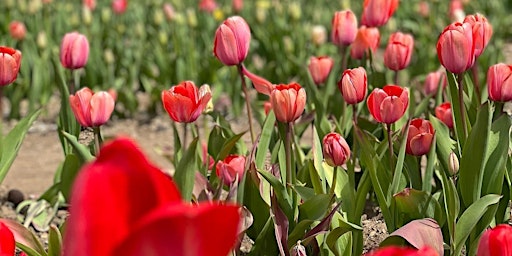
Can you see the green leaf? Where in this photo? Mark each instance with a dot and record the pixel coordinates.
(228, 145)
(315, 208)
(417, 204)
(70, 169)
(54, 241)
(452, 203)
(23, 236)
(429, 170)
(81, 150)
(333, 236)
(280, 190)
(185, 171)
(318, 159)
(456, 110)
(397, 174)
(264, 141)
(444, 143)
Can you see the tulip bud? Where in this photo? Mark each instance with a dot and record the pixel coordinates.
(377, 12)
(455, 47)
(419, 137)
(119, 6)
(230, 169)
(169, 12)
(335, 149)
(482, 31)
(423, 8)
(184, 102)
(398, 52)
(453, 163)
(457, 13)
(17, 30)
(232, 40)
(106, 14)
(34, 6)
(499, 82)
(295, 10)
(158, 17)
(92, 109)
(444, 113)
(89, 4)
(353, 85)
(288, 101)
(496, 241)
(207, 159)
(109, 56)
(10, 62)
(318, 35)
(237, 5)
(86, 15)
(74, 50)
(208, 5)
(432, 82)
(207, 90)
(344, 28)
(319, 68)
(367, 39)
(388, 104)
(261, 15)
(41, 39)
(267, 106)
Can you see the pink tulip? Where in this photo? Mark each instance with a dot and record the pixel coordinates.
(403, 251)
(419, 138)
(237, 5)
(499, 82)
(74, 50)
(169, 12)
(17, 30)
(432, 82)
(353, 85)
(367, 39)
(288, 102)
(10, 62)
(91, 109)
(230, 169)
(377, 12)
(424, 8)
(207, 159)
(344, 28)
(267, 106)
(319, 68)
(496, 241)
(119, 6)
(399, 50)
(208, 5)
(482, 31)
(184, 102)
(89, 4)
(456, 48)
(232, 40)
(388, 104)
(335, 149)
(444, 113)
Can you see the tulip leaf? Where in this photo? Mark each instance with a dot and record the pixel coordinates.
(81, 150)
(54, 241)
(418, 233)
(265, 242)
(70, 169)
(254, 202)
(264, 141)
(397, 174)
(24, 238)
(228, 145)
(281, 226)
(185, 171)
(416, 204)
(280, 190)
(456, 110)
(318, 160)
(444, 143)
(342, 228)
(315, 208)
(452, 204)
(429, 170)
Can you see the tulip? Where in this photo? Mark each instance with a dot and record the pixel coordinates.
(453, 163)
(92, 109)
(169, 12)
(207, 159)
(184, 102)
(403, 251)
(119, 6)
(121, 204)
(237, 5)
(377, 12)
(230, 169)
(10, 61)
(17, 30)
(319, 68)
(496, 241)
(74, 50)
(318, 35)
(456, 48)
(432, 82)
(288, 101)
(444, 113)
(367, 39)
(89, 4)
(208, 5)
(388, 104)
(499, 82)
(7, 243)
(335, 149)
(353, 85)
(482, 31)
(267, 106)
(419, 138)
(424, 8)
(344, 28)
(398, 52)
(232, 40)
(457, 13)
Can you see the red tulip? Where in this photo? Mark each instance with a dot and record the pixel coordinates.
(288, 101)
(499, 82)
(456, 48)
(335, 149)
(432, 82)
(444, 113)
(377, 12)
(496, 241)
(122, 204)
(17, 30)
(91, 109)
(353, 85)
(90, 4)
(184, 102)
(398, 52)
(208, 5)
(344, 28)
(388, 104)
(10, 61)
(482, 31)
(231, 169)
(367, 39)
(403, 251)
(419, 138)
(319, 68)
(74, 50)
(232, 40)
(119, 6)
(7, 243)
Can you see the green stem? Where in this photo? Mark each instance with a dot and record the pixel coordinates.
(334, 179)
(98, 139)
(390, 145)
(396, 78)
(460, 78)
(184, 139)
(288, 154)
(76, 82)
(343, 53)
(247, 103)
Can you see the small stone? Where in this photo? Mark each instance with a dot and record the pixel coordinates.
(15, 196)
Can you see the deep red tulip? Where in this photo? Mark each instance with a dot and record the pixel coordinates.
(119, 6)
(90, 4)
(74, 50)
(17, 30)
(353, 85)
(319, 68)
(92, 109)
(419, 138)
(377, 12)
(122, 204)
(432, 82)
(288, 102)
(482, 31)
(184, 102)
(403, 251)
(499, 82)
(344, 28)
(399, 50)
(335, 149)
(367, 39)
(456, 48)
(261, 84)
(231, 169)
(496, 241)
(10, 61)
(232, 40)
(444, 113)
(7, 243)
(208, 5)
(388, 104)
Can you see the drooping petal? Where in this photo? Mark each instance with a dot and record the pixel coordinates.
(260, 84)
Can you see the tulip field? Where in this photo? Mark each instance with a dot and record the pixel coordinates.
(291, 123)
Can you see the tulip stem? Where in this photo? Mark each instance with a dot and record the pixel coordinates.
(76, 82)
(460, 78)
(343, 53)
(247, 103)
(334, 179)
(290, 174)
(396, 78)
(184, 139)
(98, 140)
(1, 108)
(476, 82)
(390, 144)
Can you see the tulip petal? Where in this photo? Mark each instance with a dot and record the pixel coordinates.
(374, 101)
(260, 84)
(223, 45)
(6, 241)
(420, 144)
(391, 109)
(102, 105)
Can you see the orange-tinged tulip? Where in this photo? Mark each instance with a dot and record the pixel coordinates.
(74, 50)
(388, 104)
(403, 251)
(344, 28)
(353, 85)
(432, 82)
(444, 113)
(230, 169)
(10, 61)
(419, 138)
(482, 31)
(499, 82)
(288, 101)
(319, 68)
(267, 106)
(335, 149)
(17, 30)
(456, 48)
(92, 109)
(496, 241)
(184, 102)
(232, 40)
(377, 12)
(367, 39)
(399, 50)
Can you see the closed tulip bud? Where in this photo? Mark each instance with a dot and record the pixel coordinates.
(353, 85)
(89, 4)
(496, 241)
(424, 8)
(344, 28)
(432, 82)
(158, 17)
(318, 35)
(237, 5)
(403, 251)
(17, 30)
(288, 101)
(106, 15)
(184, 102)
(10, 62)
(191, 17)
(398, 52)
(295, 10)
(482, 31)
(92, 109)
(208, 5)
(388, 104)
(319, 68)
(377, 12)
(455, 47)
(232, 40)
(207, 159)
(169, 12)
(74, 50)
(119, 6)
(109, 56)
(335, 149)
(444, 113)
(499, 82)
(453, 163)
(209, 105)
(419, 138)
(367, 39)
(230, 169)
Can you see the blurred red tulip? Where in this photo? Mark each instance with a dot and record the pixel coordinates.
(424, 8)
(10, 61)
(7, 243)
(74, 50)
(17, 30)
(496, 241)
(499, 82)
(388, 104)
(335, 149)
(207, 159)
(399, 50)
(119, 6)
(90, 4)
(419, 138)
(444, 113)
(231, 169)
(261, 84)
(288, 101)
(377, 12)
(344, 28)
(122, 204)
(319, 68)
(367, 39)
(208, 5)
(432, 82)
(403, 251)
(92, 109)
(455, 47)
(353, 85)
(237, 5)
(184, 102)
(482, 31)
(232, 40)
